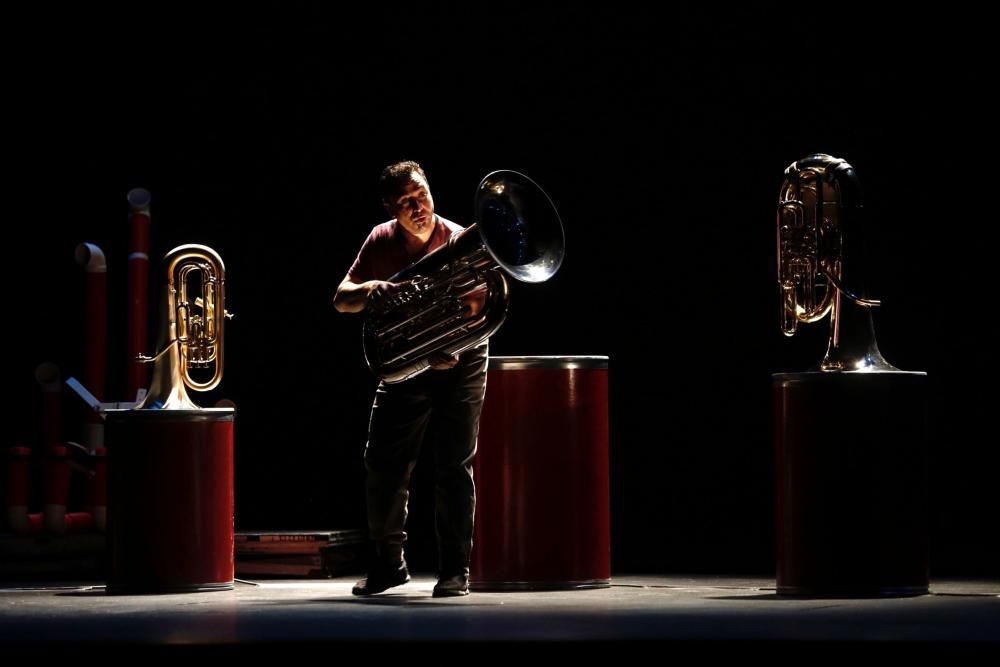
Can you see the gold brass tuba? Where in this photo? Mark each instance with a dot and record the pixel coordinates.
(457, 296)
(191, 329)
(820, 262)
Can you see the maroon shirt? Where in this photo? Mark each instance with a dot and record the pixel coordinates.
(386, 251)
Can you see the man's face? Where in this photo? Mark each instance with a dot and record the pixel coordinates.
(414, 206)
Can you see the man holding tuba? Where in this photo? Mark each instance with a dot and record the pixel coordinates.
(444, 403)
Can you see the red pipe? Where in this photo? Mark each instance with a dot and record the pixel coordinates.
(138, 287)
(55, 459)
(54, 455)
(91, 258)
(58, 469)
(47, 377)
(18, 518)
(97, 490)
(56, 488)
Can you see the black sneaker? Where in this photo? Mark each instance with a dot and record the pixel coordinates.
(382, 577)
(452, 586)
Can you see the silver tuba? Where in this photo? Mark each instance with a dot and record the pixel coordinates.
(455, 297)
(191, 334)
(821, 262)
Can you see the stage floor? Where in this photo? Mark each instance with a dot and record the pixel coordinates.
(697, 611)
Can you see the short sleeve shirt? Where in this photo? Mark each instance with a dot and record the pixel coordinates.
(386, 252)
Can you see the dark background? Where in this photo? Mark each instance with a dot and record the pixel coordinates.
(661, 136)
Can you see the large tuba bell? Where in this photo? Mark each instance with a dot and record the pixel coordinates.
(191, 328)
(821, 262)
(457, 296)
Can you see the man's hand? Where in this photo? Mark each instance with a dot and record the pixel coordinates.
(379, 291)
(441, 362)
(352, 297)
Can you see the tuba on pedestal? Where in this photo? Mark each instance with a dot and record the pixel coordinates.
(170, 462)
(821, 263)
(457, 296)
(850, 436)
(191, 334)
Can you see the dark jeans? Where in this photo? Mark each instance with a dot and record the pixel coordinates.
(446, 406)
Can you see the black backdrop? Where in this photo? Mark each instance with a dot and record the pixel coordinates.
(661, 136)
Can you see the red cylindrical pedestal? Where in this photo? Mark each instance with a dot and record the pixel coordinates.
(851, 473)
(170, 500)
(542, 506)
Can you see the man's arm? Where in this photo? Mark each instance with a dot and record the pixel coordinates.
(352, 297)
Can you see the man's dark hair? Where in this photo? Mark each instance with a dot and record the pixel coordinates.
(395, 177)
